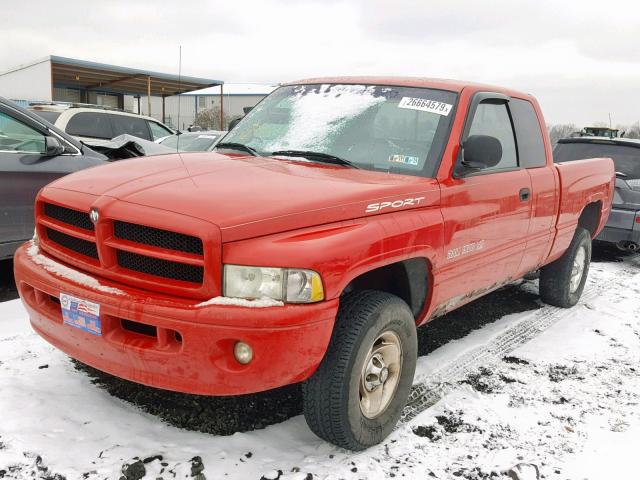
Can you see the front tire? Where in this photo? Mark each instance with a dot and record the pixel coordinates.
(562, 281)
(356, 396)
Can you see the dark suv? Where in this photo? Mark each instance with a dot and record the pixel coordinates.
(623, 227)
(32, 153)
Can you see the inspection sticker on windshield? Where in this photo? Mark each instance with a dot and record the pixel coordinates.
(431, 106)
(404, 159)
(81, 314)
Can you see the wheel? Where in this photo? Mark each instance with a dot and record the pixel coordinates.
(356, 396)
(562, 281)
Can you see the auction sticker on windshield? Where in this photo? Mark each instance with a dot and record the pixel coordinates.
(81, 314)
(424, 105)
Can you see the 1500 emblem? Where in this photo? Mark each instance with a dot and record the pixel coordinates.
(376, 207)
(470, 247)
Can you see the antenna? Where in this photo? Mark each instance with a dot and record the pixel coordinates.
(179, 101)
(179, 94)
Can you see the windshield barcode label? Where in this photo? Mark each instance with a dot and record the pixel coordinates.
(424, 105)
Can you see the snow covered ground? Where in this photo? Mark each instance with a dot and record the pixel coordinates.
(546, 392)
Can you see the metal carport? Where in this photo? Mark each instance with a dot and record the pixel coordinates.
(87, 76)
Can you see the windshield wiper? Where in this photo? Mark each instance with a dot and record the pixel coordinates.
(319, 156)
(237, 146)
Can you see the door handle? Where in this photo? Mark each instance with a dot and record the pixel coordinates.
(525, 194)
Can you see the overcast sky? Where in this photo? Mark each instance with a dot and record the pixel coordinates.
(580, 58)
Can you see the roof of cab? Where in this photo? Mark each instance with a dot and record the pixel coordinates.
(420, 82)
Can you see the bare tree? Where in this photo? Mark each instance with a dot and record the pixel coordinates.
(630, 131)
(208, 119)
(561, 130)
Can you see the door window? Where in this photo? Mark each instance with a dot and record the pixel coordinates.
(493, 119)
(90, 124)
(17, 137)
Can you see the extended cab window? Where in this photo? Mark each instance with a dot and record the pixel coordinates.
(17, 137)
(384, 128)
(528, 134)
(493, 119)
(135, 126)
(90, 124)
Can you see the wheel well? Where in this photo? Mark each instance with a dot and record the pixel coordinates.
(408, 279)
(590, 217)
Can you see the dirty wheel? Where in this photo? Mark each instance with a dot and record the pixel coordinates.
(562, 282)
(356, 396)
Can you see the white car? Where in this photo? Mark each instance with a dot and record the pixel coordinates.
(97, 125)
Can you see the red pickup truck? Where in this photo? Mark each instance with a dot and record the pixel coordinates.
(337, 217)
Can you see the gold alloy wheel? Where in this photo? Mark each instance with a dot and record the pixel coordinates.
(380, 374)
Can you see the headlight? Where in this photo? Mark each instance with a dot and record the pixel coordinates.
(290, 285)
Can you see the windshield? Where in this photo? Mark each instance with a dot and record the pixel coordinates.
(50, 117)
(385, 128)
(625, 158)
(190, 143)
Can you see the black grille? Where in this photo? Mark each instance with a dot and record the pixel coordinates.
(160, 268)
(67, 215)
(72, 243)
(157, 237)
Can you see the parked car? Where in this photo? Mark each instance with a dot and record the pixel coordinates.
(33, 153)
(335, 218)
(202, 141)
(97, 125)
(623, 227)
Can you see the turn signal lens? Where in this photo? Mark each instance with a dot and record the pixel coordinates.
(304, 286)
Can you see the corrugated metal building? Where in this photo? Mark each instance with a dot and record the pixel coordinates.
(63, 79)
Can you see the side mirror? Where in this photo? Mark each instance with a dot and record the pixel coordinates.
(481, 151)
(53, 147)
(233, 123)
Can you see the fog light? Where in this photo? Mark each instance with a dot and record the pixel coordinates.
(243, 353)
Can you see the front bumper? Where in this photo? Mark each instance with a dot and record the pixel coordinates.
(167, 342)
(622, 226)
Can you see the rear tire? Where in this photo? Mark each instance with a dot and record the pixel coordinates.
(562, 281)
(356, 396)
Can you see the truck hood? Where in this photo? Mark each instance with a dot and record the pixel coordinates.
(252, 196)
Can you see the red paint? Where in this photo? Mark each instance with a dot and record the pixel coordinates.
(267, 212)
